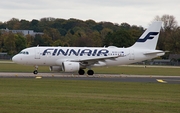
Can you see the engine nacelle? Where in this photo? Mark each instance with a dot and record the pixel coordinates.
(55, 68)
(70, 66)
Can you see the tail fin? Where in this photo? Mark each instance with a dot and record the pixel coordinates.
(149, 38)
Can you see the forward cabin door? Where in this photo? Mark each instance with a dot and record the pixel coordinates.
(37, 53)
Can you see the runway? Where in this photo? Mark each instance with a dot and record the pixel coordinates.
(97, 77)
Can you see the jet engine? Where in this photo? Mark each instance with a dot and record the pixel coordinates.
(70, 66)
(55, 68)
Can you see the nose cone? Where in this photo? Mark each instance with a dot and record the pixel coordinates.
(15, 59)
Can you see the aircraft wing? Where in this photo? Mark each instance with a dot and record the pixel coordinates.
(96, 58)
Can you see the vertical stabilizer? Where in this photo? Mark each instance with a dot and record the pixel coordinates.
(149, 38)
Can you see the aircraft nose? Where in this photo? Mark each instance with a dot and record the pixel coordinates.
(15, 59)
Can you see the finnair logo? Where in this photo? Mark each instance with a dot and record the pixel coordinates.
(78, 52)
(149, 36)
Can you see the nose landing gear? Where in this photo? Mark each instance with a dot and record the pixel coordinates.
(36, 70)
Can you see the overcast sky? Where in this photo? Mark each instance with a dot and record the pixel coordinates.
(134, 12)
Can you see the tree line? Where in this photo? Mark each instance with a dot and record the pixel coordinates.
(74, 32)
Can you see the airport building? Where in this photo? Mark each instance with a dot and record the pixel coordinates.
(4, 56)
(24, 32)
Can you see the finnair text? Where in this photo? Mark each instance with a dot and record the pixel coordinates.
(77, 52)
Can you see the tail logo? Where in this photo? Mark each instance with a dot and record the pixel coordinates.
(150, 36)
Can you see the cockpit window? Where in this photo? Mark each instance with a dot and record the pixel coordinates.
(24, 52)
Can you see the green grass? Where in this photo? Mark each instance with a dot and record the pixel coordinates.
(133, 70)
(129, 70)
(12, 67)
(28, 95)
(23, 95)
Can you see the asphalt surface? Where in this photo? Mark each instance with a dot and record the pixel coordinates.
(97, 77)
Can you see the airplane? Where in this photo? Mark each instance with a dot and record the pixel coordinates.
(76, 59)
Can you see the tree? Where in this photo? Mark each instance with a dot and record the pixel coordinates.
(24, 24)
(13, 24)
(1, 41)
(20, 42)
(38, 40)
(169, 21)
(9, 43)
(120, 38)
(29, 40)
(96, 39)
(104, 32)
(47, 40)
(2, 26)
(80, 38)
(59, 25)
(34, 25)
(57, 43)
(173, 41)
(74, 32)
(168, 39)
(125, 26)
(136, 32)
(98, 27)
(53, 33)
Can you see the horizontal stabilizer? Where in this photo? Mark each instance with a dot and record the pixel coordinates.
(154, 52)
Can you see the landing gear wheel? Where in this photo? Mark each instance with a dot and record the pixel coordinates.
(81, 72)
(35, 72)
(90, 72)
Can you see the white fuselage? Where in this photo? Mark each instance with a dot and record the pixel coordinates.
(54, 56)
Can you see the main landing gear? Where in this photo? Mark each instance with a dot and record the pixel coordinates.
(89, 72)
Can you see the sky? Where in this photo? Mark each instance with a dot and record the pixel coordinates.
(133, 12)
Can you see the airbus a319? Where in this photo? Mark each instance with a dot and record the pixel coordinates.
(76, 59)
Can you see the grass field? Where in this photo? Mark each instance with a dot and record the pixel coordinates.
(29, 95)
(23, 95)
(129, 70)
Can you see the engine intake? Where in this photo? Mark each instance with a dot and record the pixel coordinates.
(70, 66)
